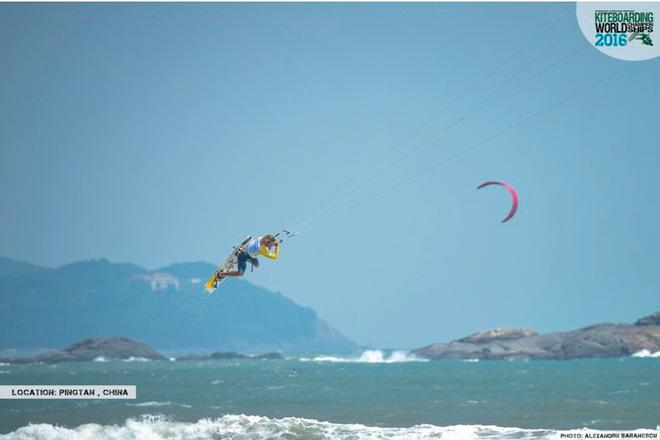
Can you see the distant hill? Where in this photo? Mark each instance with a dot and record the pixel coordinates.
(10, 267)
(166, 308)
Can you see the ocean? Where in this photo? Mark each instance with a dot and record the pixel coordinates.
(372, 396)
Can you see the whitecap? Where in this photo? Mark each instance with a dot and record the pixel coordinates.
(371, 357)
(136, 359)
(646, 354)
(155, 404)
(150, 403)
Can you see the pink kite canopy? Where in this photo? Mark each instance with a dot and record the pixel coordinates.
(514, 196)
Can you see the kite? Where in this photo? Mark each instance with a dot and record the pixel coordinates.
(514, 197)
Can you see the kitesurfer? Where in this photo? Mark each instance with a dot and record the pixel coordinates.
(257, 246)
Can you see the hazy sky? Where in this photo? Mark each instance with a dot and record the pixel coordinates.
(164, 133)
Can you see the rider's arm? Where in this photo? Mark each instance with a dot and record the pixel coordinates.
(263, 250)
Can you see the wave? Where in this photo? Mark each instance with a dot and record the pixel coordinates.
(646, 354)
(136, 359)
(371, 357)
(257, 428)
(129, 359)
(158, 404)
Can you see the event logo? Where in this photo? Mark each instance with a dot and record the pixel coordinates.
(621, 30)
(621, 27)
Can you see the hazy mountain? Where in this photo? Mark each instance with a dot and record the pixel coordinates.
(167, 309)
(10, 267)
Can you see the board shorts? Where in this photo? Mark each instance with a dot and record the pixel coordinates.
(241, 261)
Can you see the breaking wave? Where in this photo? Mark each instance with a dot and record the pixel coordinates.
(129, 359)
(646, 354)
(158, 404)
(136, 359)
(257, 428)
(371, 357)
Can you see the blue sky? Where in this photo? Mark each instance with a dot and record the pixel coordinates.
(157, 133)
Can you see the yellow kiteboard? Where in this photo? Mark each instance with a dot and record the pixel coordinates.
(229, 264)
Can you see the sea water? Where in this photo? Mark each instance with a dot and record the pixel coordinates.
(374, 395)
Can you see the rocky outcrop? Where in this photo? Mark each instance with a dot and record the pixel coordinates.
(117, 348)
(224, 355)
(653, 319)
(498, 334)
(600, 340)
(270, 356)
(121, 348)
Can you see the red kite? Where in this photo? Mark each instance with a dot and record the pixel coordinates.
(512, 191)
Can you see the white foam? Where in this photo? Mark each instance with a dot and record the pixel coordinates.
(257, 428)
(129, 359)
(646, 354)
(371, 357)
(136, 359)
(152, 404)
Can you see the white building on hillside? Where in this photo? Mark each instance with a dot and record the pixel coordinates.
(160, 280)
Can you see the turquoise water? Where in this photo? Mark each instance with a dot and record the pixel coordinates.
(294, 395)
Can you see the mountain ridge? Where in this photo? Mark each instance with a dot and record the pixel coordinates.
(167, 308)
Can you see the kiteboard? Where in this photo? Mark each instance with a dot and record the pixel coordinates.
(231, 263)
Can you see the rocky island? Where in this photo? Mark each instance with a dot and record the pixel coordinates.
(90, 349)
(122, 348)
(599, 340)
(228, 355)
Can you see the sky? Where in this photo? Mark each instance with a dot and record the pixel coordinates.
(161, 133)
